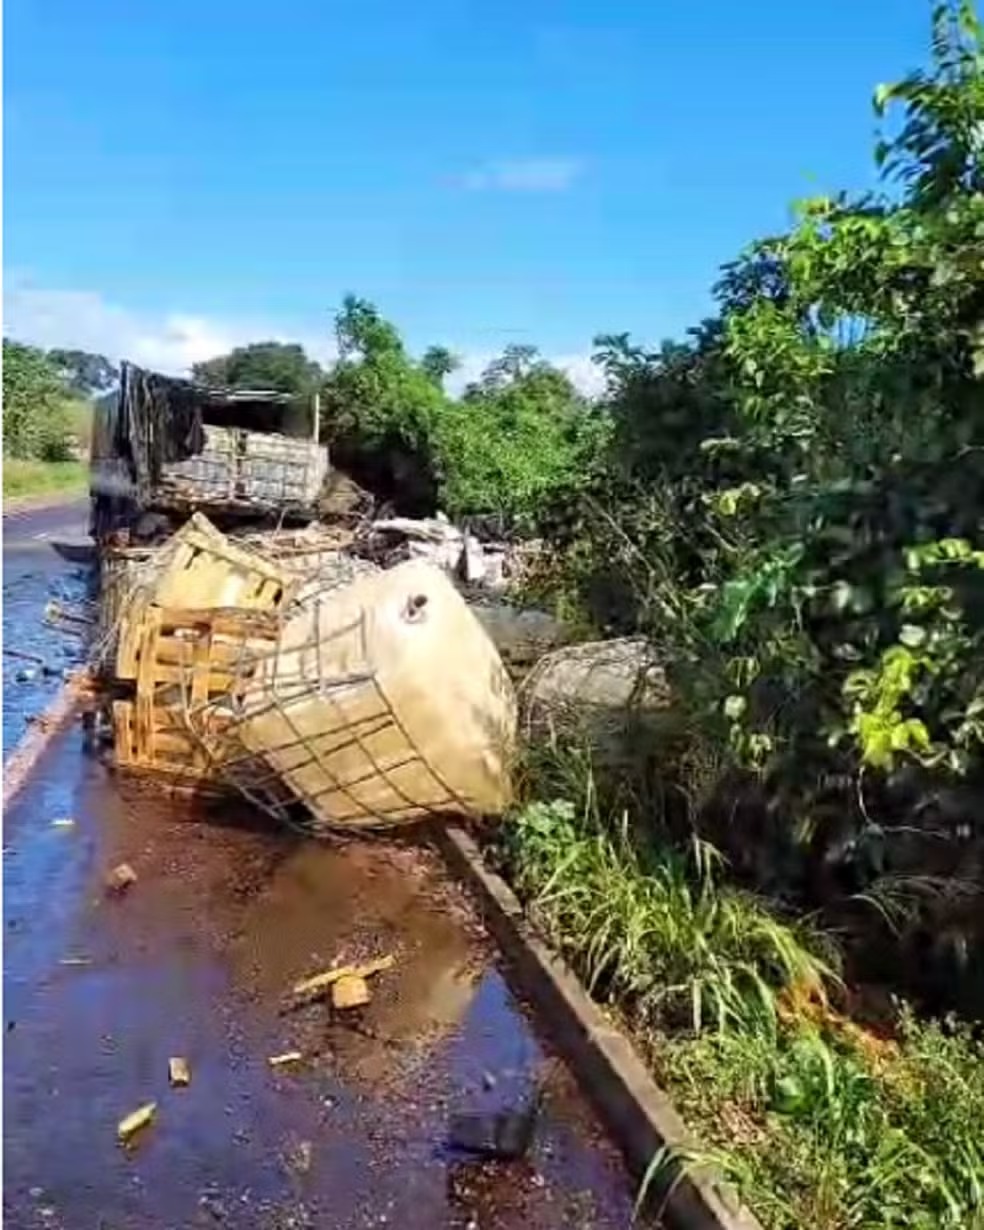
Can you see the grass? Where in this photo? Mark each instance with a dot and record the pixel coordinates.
(24, 477)
(814, 1120)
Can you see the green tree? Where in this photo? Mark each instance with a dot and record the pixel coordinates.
(520, 435)
(83, 372)
(381, 410)
(34, 417)
(439, 362)
(281, 366)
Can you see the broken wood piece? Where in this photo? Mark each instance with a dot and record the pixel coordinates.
(349, 991)
(120, 878)
(132, 1124)
(178, 1072)
(320, 983)
(288, 1057)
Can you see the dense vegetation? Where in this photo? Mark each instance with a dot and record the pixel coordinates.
(791, 510)
(47, 415)
(796, 519)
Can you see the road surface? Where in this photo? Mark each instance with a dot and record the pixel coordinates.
(33, 575)
(196, 959)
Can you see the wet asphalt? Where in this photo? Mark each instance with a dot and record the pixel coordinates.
(196, 959)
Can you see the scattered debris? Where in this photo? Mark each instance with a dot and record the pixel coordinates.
(63, 822)
(178, 1072)
(75, 961)
(284, 1059)
(603, 693)
(349, 991)
(24, 657)
(120, 878)
(320, 984)
(297, 1157)
(506, 1135)
(134, 1122)
(75, 550)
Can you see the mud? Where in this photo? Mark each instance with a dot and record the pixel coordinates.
(196, 959)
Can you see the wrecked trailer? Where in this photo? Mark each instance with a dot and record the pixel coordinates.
(168, 446)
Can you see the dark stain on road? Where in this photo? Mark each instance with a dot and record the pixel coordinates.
(196, 959)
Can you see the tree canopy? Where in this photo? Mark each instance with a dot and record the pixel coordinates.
(34, 410)
(83, 372)
(281, 366)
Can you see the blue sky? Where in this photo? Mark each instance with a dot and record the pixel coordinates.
(181, 175)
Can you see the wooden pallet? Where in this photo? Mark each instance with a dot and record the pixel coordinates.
(203, 572)
(181, 659)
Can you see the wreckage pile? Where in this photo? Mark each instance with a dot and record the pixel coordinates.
(301, 673)
(333, 674)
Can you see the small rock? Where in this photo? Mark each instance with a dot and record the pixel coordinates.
(507, 1134)
(26, 674)
(488, 1080)
(120, 878)
(298, 1158)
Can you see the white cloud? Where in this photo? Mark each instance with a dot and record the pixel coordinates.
(524, 175)
(170, 342)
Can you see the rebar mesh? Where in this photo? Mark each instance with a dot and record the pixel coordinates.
(359, 753)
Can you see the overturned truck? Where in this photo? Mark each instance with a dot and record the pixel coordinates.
(164, 447)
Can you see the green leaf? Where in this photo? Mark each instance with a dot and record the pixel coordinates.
(734, 707)
(912, 635)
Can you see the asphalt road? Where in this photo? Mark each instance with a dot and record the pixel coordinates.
(28, 533)
(33, 576)
(197, 960)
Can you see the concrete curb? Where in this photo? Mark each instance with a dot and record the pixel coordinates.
(636, 1111)
(19, 764)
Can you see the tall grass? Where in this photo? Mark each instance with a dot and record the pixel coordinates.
(815, 1121)
(23, 477)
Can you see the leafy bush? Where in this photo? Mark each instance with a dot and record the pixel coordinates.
(35, 419)
(515, 438)
(793, 511)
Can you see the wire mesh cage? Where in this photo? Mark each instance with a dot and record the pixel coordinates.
(379, 704)
(125, 572)
(237, 465)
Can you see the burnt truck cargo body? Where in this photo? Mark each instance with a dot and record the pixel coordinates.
(170, 446)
